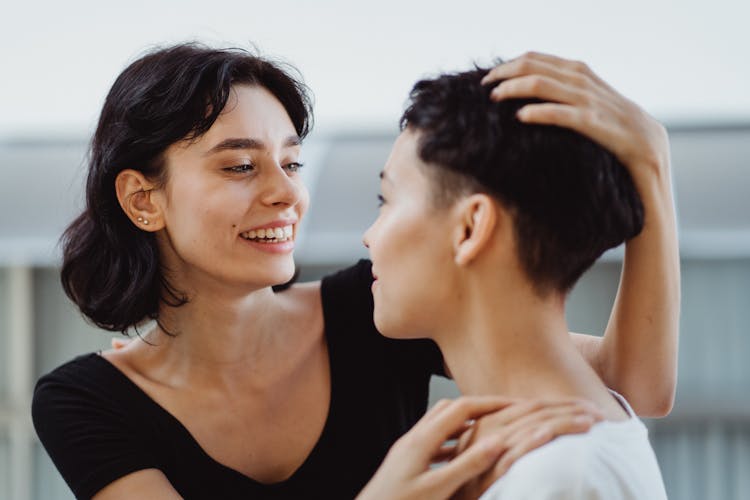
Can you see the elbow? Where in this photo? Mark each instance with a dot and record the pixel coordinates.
(660, 407)
(656, 402)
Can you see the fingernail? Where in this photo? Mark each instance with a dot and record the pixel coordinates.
(522, 114)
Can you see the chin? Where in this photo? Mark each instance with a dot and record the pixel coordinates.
(388, 326)
(271, 275)
(283, 274)
(286, 279)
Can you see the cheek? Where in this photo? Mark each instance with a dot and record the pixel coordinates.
(407, 241)
(209, 214)
(421, 260)
(201, 218)
(410, 257)
(304, 200)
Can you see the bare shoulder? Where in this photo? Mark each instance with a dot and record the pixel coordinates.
(146, 483)
(123, 358)
(133, 359)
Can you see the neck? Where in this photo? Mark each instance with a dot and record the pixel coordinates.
(514, 343)
(222, 333)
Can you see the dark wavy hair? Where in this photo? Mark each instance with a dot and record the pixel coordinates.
(111, 269)
(570, 198)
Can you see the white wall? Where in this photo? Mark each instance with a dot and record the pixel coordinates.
(683, 60)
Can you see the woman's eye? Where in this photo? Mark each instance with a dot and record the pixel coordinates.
(240, 169)
(381, 200)
(294, 166)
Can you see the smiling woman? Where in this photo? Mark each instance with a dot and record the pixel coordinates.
(193, 204)
(246, 183)
(241, 390)
(154, 113)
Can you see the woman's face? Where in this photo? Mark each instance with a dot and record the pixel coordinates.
(233, 198)
(410, 247)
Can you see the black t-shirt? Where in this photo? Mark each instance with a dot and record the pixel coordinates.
(98, 426)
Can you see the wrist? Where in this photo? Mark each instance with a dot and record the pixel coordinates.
(659, 214)
(654, 183)
(649, 162)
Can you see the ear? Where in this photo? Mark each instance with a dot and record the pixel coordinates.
(134, 192)
(477, 220)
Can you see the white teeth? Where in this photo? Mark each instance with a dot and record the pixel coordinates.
(272, 235)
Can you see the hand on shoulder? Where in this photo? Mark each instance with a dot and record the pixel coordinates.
(492, 433)
(522, 428)
(407, 471)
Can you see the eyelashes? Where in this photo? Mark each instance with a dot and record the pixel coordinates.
(294, 166)
(240, 169)
(244, 168)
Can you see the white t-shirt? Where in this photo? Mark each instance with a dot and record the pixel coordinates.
(614, 460)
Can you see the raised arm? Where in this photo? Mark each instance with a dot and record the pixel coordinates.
(638, 354)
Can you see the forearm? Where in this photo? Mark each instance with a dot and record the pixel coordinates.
(638, 354)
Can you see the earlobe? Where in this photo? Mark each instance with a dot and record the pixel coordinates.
(477, 219)
(134, 193)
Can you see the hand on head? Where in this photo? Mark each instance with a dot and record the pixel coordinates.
(580, 100)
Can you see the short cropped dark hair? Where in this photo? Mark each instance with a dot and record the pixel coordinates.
(570, 198)
(111, 269)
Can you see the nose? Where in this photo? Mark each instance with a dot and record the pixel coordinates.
(366, 237)
(281, 189)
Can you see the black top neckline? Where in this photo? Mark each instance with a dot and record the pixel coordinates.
(97, 425)
(324, 434)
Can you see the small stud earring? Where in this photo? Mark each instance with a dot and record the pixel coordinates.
(145, 222)
(140, 219)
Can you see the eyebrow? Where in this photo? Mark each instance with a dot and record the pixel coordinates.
(249, 143)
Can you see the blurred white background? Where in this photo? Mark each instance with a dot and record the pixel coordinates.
(683, 60)
(686, 62)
